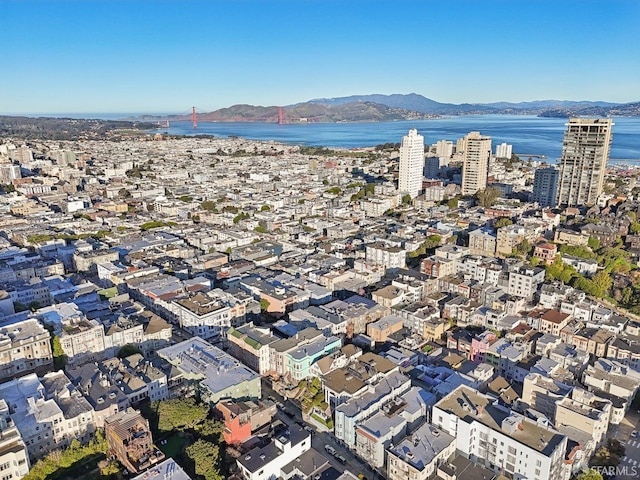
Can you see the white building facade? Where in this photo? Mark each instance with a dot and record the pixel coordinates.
(411, 163)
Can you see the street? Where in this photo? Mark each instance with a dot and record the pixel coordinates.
(630, 464)
(318, 439)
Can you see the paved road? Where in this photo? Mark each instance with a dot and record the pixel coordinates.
(318, 439)
(629, 467)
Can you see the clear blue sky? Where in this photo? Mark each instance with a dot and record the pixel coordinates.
(165, 56)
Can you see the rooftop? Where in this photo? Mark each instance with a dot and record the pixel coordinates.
(469, 405)
(421, 448)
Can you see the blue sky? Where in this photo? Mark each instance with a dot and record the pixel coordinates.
(165, 56)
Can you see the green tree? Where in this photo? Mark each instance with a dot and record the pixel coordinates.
(634, 227)
(127, 350)
(179, 413)
(589, 474)
(523, 248)
(206, 459)
(211, 430)
(186, 198)
(209, 206)
(264, 304)
(406, 199)
(265, 208)
(502, 222)
(59, 358)
(578, 251)
(261, 229)
(601, 283)
(241, 216)
(554, 270)
(487, 197)
(452, 203)
(593, 243)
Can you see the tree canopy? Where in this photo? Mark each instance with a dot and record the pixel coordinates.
(179, 413)
(206, 459)
(487, 197)
(502, 222)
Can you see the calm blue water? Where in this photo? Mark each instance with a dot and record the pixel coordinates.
(527, 134)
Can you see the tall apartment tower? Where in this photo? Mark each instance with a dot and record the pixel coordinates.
(475, 162)
(411, 163)
(585, 151)
(545, 187)
(504, 150)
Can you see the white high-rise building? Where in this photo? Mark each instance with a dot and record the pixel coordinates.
(475, 168)
(411, 163)
(504, 150)
(585, 152)
(444, 148)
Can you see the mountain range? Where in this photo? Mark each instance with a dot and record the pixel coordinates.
(380, 108)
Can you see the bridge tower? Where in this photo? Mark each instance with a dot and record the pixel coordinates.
(194, 118)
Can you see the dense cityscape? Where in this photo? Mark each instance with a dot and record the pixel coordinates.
(221, 308)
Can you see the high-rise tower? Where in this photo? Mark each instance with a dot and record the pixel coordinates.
(411, 163)
(475, 162)
(545, 187)
(585, 151)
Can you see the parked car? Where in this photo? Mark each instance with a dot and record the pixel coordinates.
(330, 449)
(634, 434)
(341, 459)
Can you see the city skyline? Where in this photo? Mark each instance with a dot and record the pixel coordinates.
(140, 56)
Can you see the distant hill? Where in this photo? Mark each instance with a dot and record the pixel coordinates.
(49, 128)
(419, 103)
(383, 108)
(313, 112)
(411, 101)
(624, 110)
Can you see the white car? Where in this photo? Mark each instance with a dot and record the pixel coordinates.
(634, 434)
(330, 449)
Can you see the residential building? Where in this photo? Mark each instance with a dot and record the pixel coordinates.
(387, 256)
(545, 252)
(205, 317)
(380, 330)
(411, 163)
(298, 360)
(25, 347)
(265, 463)
(500, 439)
(106, 398)
(508, 238)
(375, 434)
(250, 345)
(504, 150)
(524, 281)
(241, 419)
(482, 242)
(43, 425)
(419, 455)
(213, 372)
(349, 414)
(14, 460)
(545, 187)
(82, 340)
(475, 162)
(168, 469)
(129, 440)
(585, 152)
